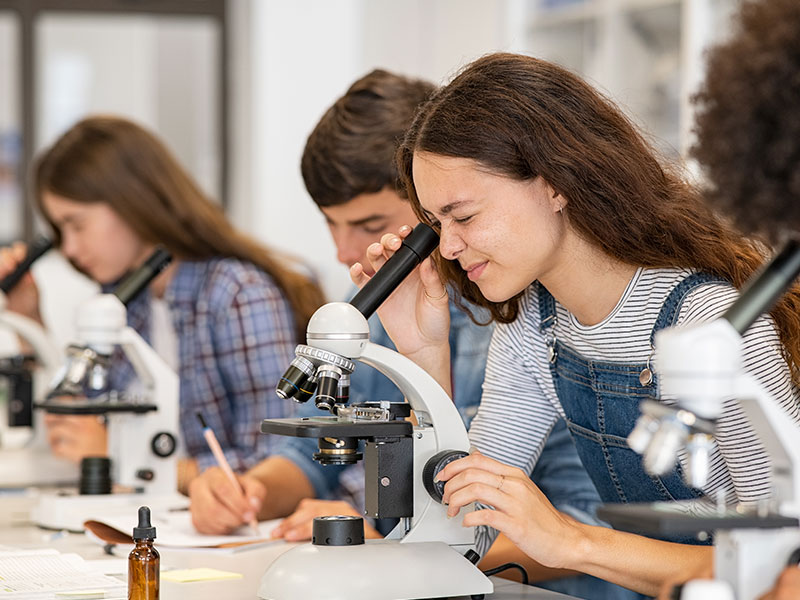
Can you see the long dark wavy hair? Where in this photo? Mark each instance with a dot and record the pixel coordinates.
(521, 117)
(117, 162)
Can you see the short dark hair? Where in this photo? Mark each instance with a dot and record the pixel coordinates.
(748, 120)
(351, 150)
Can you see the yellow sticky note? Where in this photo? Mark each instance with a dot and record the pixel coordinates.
(200, 574)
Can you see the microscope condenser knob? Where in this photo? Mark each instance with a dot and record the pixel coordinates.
(436, 463)
(145, 474)
(338, 530)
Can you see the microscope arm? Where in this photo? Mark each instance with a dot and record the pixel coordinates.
(779, 434)
(34, 334)
(430, 402)
(132, 438)
(143, 358)
(439, 428)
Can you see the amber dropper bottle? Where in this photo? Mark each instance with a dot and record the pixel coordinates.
(143, 561)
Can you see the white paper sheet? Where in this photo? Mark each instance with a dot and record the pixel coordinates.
(37, 574)
(175, 530)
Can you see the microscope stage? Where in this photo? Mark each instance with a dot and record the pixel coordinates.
(94, 408)
(319, 427)
(675, 518)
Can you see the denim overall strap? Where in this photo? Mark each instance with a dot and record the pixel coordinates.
(601, 402)
(672, 305)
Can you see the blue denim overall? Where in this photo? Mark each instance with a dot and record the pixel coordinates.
(601, 402)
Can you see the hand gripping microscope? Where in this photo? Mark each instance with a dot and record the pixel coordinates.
(700, 366)
(423, 557)
(26, 459)
(45, 355)
(142, 431)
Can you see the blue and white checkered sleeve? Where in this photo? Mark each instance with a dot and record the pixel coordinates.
(254, 341)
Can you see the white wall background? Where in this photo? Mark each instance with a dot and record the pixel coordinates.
(290, 59)
(306, 53)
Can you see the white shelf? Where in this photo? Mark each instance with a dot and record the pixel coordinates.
(645, 54)
(571, 12)
(586, 10)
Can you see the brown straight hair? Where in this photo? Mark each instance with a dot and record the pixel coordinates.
(117, 162)
(522, 118)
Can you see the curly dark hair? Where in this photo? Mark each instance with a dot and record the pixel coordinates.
(748, 120)
(351, 150)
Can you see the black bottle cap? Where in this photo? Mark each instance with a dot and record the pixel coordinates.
(145, 530)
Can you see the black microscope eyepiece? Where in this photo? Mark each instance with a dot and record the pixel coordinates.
(415, 248)
(35, 251)
(138, 280)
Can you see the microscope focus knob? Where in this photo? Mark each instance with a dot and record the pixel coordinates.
(436, 463)
(163, 444)
(338, 531)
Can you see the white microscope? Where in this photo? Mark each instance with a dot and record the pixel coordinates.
(400, 459)
(700, 366)
(142, 431)
(26, 459)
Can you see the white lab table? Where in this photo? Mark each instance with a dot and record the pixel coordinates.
(16, 530)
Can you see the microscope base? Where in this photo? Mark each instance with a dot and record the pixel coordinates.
(750, 560)
(375, 570)
(57, 510)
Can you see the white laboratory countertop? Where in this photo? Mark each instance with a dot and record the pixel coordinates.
(16, 530)
(23, 467)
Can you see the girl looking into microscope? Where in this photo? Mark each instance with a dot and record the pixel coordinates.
(557, 217)
(226, 314)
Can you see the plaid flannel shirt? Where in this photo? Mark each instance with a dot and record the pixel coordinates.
(236, 337)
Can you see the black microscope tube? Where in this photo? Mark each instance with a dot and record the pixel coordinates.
(761, 291)
(35, 250)
(416, 248)
(134, 283)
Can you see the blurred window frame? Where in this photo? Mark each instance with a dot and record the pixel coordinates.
(28, 11)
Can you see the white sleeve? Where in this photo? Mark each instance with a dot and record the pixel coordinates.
(741, 458)
(514, 417)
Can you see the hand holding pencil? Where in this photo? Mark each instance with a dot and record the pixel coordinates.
(222, 462)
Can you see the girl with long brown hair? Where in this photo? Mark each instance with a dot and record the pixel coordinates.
(557, 216)
(226, 313)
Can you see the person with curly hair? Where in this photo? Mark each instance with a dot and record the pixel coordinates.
(748, 142)
(748, 120)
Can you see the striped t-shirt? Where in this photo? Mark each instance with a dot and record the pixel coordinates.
(519, 403)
